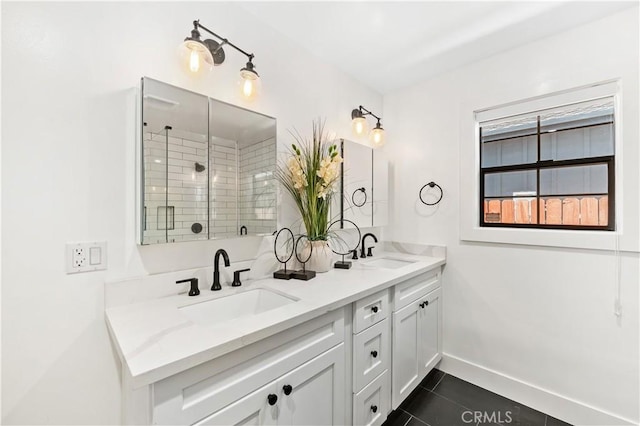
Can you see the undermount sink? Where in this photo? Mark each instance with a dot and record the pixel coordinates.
(388, 263)
(235, 306)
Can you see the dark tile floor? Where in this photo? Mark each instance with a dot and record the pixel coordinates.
(444, 400)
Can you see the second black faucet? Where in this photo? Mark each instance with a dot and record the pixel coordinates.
(216, 271)
(363, 252)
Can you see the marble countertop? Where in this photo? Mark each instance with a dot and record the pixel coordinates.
(155, 340)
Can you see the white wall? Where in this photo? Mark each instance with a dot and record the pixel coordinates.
(68, 75)
(520, 319)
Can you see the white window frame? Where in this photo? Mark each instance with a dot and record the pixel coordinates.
(470, 229)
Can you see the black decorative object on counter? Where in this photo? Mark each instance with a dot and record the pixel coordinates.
(431, 185)
(342, 264)
(243, 228)
(283, 274)
(353, 197)
(303, 274)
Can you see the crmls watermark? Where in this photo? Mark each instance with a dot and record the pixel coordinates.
(479, 417)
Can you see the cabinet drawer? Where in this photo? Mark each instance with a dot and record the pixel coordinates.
(370, 310)
(194, 394)
(414, 288)
(371, 354)
(372, 404)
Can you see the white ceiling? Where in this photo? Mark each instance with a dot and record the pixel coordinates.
(390, 45)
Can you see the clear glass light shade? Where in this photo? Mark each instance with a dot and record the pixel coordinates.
(195, 57)
(377, 137)
(249, 84)
(359, 126)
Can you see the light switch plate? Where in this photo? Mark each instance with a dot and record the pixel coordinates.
(86, 256)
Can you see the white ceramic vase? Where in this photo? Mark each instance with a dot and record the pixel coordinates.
(321, 257)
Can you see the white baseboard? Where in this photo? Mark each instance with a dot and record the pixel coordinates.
(561, 407)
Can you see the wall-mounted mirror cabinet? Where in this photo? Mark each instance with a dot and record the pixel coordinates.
(364, 186)
(207, 167)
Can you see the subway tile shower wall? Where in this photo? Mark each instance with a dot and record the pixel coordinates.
(257, 189)
(223, 160)
(175, 193)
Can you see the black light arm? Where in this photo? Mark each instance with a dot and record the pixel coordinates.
(223, 40)
(362, 112)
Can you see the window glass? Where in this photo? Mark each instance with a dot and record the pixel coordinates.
(505, 152)
(510, 184)
(550, 168)
(579, 180)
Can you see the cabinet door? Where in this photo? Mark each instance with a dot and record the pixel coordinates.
(406, 363)
(253, 409)
(380, 188)
(357, 178)
(316, 391)
(430, 331)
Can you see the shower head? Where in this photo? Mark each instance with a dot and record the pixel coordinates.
(199, 168)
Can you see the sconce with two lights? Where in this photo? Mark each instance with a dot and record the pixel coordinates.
(200, 56)
(360, 127)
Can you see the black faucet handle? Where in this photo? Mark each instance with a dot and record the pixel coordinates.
(194, 291)
(355, 254)
(369, 254)
(236, 277)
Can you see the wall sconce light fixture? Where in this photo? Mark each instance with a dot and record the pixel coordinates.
(359, 126)
(201, 56)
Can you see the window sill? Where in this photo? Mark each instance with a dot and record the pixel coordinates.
(590, 240)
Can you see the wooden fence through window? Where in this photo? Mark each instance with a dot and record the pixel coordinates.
(585, 211)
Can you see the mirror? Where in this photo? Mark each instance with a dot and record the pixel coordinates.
(364, 186)
(207, 167)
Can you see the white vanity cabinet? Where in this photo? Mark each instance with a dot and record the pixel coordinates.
(308, 395)
(294, 378)
(351, 365)
(417, 332)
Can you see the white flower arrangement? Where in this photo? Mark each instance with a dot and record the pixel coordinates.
(310, 175)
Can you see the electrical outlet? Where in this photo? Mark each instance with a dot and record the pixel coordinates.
(79, 257)
(85, 257)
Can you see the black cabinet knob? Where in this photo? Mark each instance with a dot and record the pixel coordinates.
(374, 408)
(374, 309)
(287, 389)
(272, 399)
(421, 305)
(374, 354)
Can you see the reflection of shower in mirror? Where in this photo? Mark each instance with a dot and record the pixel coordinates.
(214, 163)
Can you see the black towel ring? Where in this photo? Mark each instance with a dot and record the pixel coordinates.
(353, 197)
(431, 185)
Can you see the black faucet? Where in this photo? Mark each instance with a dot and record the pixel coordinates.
(363, 253)
(216, 272)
